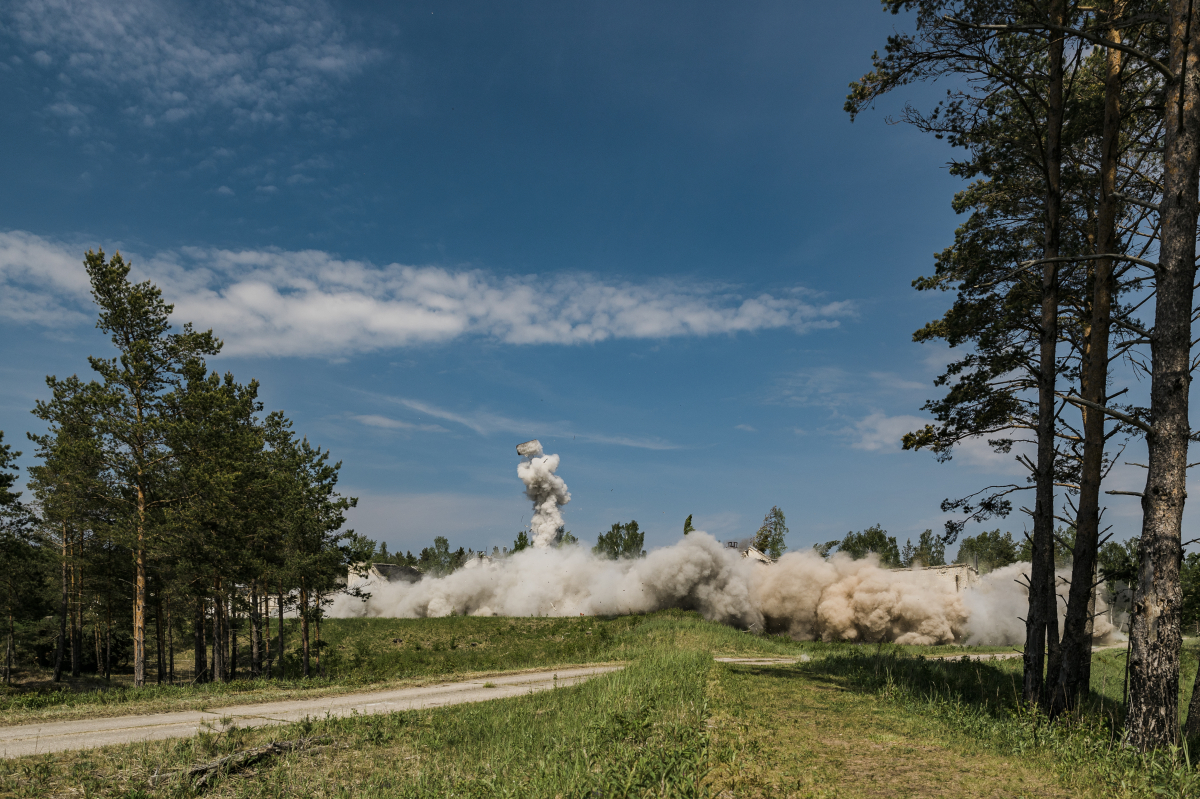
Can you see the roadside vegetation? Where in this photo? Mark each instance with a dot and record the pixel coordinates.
(846, 720)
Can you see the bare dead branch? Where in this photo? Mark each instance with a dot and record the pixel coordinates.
(1124, 417)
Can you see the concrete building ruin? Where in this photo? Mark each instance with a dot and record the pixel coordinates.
(960, 575)
(750, 551)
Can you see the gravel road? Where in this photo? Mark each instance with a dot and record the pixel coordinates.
(28, 739)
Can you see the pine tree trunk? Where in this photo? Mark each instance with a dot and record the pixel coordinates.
(158, 635)
(267, 635)
(281, 649)
(1041, 625)
(61, 650)
(1155, 640)
(139, 590)
(304, 625)
(255, 632)
(218, 647)
(76, 643)
(170, 645)
(108, 639)
(317, 627)
(200, 668)
(233, 640)
(1074, 678)
(1192, 727)
(8, 650)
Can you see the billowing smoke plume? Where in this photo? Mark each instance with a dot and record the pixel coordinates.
(545, 488)
(697, 573)
(802, 594)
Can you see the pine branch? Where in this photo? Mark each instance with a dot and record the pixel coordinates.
(1170, 76)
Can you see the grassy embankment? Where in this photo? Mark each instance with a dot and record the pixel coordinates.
(853, 721)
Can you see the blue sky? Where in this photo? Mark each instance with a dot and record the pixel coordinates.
(646, 234)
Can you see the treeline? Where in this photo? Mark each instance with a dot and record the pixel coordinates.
(166, 506)
(622, 541)
(1078, 127)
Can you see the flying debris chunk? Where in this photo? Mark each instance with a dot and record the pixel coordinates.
(530, 449)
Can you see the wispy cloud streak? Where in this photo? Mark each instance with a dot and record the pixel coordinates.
(485, 423)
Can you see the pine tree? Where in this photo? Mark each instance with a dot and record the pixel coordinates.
(622, 541)
(769, 538)
(130, 416)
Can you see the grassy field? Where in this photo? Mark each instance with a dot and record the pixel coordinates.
(850, 721)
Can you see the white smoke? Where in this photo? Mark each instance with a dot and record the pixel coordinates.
(998, 605)
(842, 599)
(545, 488)
(803, 594)
(697, 573)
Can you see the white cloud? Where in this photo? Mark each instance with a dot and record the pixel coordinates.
(41, 283)
(257, 62)
(880, 432)
(977, 452)
(745, 427)
(225, 191)
(310, 303)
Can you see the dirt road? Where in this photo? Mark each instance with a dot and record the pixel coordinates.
(28, 739)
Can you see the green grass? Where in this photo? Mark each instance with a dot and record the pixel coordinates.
(851, 721)
(627, 733)
(363, 654)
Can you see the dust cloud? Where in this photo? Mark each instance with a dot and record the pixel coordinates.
(803, 595)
